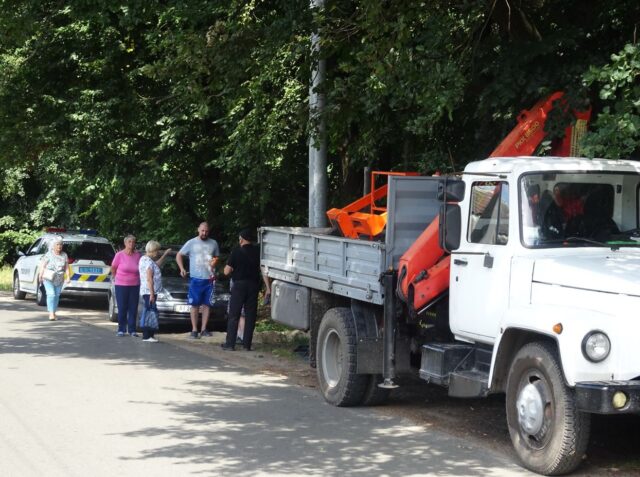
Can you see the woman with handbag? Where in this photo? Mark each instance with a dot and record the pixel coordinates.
(52, 275)
(150, 286)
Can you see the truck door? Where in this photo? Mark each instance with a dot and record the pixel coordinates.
(480, 268)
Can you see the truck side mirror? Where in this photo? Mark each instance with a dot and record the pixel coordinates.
(451, 190)
(450, 227)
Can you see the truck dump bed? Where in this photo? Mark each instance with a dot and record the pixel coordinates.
(351, 268)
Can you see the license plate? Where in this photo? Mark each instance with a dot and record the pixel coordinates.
(96, 270)
(182, 308)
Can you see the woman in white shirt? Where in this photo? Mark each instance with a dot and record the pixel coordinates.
(150, 286)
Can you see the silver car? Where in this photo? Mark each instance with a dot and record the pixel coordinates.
(172, 300)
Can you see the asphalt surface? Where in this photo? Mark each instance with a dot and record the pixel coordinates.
(77, 401)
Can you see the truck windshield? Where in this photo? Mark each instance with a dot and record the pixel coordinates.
(577, 209)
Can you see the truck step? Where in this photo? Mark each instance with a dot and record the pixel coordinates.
(469, 384)
(440, 359)
(462, 367)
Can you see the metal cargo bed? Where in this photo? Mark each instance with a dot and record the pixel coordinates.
(311, 258)
(351, 268)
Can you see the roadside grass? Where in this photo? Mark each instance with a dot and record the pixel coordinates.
(6, 280)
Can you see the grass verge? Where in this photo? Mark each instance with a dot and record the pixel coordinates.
(6, 281)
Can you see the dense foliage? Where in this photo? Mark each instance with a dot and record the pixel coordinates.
(147, 117)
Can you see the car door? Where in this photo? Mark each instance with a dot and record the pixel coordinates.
(29, 265)
(480, 268)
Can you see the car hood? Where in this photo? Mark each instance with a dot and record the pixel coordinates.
(612, 272)
(179, 285)
(174, 284)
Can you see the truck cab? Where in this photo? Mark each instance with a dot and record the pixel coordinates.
(548, 242)
(545, 278)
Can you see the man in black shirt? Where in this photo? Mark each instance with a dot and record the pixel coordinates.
(244, 267)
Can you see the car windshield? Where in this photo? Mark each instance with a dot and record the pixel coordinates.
(170, 266)
(579, 209)
(94, 251)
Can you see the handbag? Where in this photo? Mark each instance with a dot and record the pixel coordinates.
(150, 319)
(48, 274)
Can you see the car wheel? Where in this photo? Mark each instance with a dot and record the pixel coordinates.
(17, 294)
(41, 295)
(113, 314)
(548, 432)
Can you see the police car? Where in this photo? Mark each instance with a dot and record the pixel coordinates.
(89, 269)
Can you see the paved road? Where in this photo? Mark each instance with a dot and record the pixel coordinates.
(77, 401)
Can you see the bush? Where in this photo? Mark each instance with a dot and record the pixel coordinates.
(13, 240)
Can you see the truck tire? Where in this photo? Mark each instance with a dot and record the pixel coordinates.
(113, 314)
(548, 432)
(41, 295)
(373, 394)
(17, 294)
(336, 359)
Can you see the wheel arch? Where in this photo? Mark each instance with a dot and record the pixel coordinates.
(511, 341)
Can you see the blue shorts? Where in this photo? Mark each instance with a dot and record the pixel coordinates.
(199, 292)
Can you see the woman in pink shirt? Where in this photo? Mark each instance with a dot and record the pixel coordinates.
(124, 270)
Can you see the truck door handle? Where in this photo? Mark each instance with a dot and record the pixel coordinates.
(460, 261)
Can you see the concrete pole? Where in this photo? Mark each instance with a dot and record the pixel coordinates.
(318, 137)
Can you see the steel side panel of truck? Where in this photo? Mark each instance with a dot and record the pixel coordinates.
(349, 267)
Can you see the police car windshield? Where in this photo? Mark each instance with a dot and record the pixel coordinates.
(93, 251)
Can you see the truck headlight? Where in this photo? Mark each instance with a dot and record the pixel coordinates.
(596, 346)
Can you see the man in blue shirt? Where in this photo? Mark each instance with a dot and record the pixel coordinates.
(203, 254)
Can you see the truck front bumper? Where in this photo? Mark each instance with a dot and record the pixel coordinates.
(608, 397)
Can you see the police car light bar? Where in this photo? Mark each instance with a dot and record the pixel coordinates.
(54, 230)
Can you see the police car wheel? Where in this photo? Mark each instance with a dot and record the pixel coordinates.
(113, 314)
(17, 294)
(41, 296)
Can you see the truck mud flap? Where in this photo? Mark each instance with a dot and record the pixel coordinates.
(370, 355)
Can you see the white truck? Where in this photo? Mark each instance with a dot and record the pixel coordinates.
(542, 257)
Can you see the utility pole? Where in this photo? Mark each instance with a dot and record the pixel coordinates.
(317, 141)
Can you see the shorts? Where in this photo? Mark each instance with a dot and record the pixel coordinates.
(199, 292)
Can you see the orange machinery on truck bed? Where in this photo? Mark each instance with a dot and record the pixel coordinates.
(423, 270)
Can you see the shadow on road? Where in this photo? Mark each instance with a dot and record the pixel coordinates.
(242, 423)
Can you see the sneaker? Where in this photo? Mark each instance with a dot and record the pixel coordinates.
(225, 347)
(205, 333)
(238, 340)
(150, 340)
(120, 334)
(194, 335)
(133, 335)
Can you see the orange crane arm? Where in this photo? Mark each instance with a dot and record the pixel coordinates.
(525, 138)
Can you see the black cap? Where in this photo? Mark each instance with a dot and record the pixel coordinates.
(247, 234)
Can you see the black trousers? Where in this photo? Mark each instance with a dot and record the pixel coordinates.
(243, 293)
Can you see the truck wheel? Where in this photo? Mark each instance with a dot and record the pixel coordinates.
(336, 359)
(41, 295)
(375, 395)
(113, 314)
(17, 294)
(548, 432)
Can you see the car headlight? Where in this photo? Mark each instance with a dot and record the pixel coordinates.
(596, 346)
(163, 295)
(222, 297)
